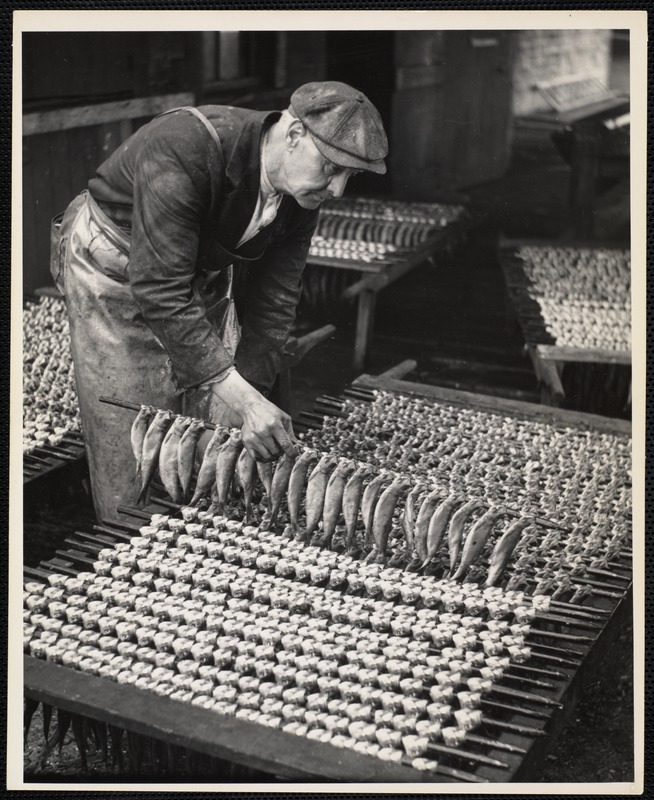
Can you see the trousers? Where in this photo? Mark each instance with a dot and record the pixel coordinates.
(115, 354)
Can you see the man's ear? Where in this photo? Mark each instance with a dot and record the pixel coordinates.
(295, 132)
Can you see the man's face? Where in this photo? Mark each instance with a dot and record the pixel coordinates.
(310, 177)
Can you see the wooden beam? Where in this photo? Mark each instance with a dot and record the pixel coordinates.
(551, 352)
(205, 731)
(64, 119)
(497, 405)
(401, 369)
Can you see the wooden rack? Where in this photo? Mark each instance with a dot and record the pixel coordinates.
(585, 653)
(377, 274)
(547, 357)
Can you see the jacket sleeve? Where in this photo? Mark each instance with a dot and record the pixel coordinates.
(273, 292)
(172, 192)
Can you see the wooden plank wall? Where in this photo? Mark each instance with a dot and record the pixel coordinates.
(57, 165)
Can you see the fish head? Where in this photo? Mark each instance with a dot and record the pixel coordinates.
(344, 467)
(162, 418)
(235, 439)
(307, 456)
(327, 462)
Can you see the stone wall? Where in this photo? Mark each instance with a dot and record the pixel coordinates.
(543, 55)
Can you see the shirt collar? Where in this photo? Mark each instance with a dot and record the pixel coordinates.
(265, 186)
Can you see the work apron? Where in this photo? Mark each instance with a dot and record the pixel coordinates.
(114, 351)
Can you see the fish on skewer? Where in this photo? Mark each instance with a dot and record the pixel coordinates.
(455, 530)
(409, 518)
(504, 548)
(296, 483)
(477, 538)
(265, 472)
(168, 458)
(383, 518)
(207, 472)
(151, 446)
(186, 454)
(315, 495)
(427, 508)
(370, 496)
(334, 501)
(137, 434)
(225, 468)
(352, 495)
(279, 485)
(438, 525)
(246, 472)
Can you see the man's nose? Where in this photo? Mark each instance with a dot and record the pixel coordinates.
(337, 184)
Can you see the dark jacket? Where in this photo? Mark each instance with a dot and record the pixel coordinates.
(188, 207)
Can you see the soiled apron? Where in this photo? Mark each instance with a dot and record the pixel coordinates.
(114, 351)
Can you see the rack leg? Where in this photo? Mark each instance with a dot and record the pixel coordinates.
(365, 322)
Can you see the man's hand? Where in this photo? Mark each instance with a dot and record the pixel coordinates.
(266, 430)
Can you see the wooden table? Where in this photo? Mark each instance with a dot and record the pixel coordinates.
(294, 758)
(586, 137)
(547, 357)
(375, 276)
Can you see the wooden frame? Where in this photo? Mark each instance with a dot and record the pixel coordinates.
(375, 276)
(497, 405)
(548, 359)
(63, 119)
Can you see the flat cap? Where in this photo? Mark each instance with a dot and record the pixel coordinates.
(343, 123)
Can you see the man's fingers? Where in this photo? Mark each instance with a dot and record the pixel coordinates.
(288, 443)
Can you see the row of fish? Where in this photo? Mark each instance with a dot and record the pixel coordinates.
(165, 442)
(328, 501)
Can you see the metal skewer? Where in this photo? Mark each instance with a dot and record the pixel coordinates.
(525, 712)
(496, 744)
(520, 695)
(467, 755)
(524, 730)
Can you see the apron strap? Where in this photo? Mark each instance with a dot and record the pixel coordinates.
(212, 131)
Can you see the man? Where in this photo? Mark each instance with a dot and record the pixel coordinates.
(145, 264)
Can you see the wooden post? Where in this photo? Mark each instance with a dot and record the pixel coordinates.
(365, 322)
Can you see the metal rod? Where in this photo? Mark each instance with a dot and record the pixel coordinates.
(37, 459)
(51, 451)
(525, 712)
(496, 744)
(552, 673)
(133, 512)
(121, 523)
(114, 401)
(520, 695)
(110, 532)
(524, 730)
(558, 659)
(458, 774)
(566, 637)
(467, 755)
(59, 568)
(529, 681)
(74, 556)
(575, 623)
(584, 609)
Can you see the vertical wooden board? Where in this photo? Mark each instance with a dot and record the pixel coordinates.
(416, 156)
(477, 95)
(307, 57)
(83, 158)
(36, 265)
(29, 200)
(418, 48)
